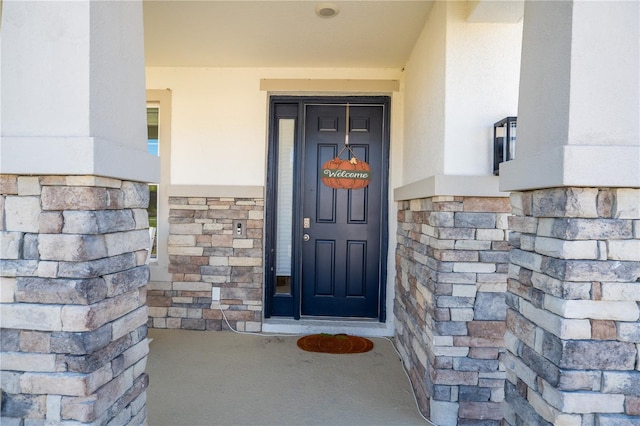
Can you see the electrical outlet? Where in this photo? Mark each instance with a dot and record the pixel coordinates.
(215, 294)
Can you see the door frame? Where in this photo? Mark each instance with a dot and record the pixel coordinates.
(289, 305)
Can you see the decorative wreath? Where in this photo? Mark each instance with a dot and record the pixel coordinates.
(346, 174)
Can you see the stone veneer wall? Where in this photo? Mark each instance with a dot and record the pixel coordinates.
(452, 260)
(215, 258)
(573, 334)
(72, 300)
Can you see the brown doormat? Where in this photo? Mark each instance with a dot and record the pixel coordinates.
(335, 343)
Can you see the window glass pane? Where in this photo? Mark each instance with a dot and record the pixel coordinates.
(153, 205)
(153, 114)
(286, 132)
(152, 130)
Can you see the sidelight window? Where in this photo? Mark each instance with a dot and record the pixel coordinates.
(284, 216)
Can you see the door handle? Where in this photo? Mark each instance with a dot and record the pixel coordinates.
(306, 237)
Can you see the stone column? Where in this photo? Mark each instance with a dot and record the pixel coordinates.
(73, 222)
(73, 298)
(573, 330)
(451, 272)
(573, 335)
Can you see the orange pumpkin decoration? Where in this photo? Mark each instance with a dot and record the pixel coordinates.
(346, 174)
(327, 178)
(361, 166)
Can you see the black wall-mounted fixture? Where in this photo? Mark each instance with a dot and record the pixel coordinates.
(504, 142)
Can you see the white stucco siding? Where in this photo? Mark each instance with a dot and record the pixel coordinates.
(460, 79)
(117, 74)
(619, 122)
(592, 97)
(544, 83)
(218, 125)
(58, 32)
(580, 127)
(424, 78)
(483, 70)
(219, 119)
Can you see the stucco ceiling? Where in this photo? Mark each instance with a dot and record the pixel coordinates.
(214, 33)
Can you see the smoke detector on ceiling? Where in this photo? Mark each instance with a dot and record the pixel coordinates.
(327, 10)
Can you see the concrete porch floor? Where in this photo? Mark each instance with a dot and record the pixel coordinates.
(224, 378)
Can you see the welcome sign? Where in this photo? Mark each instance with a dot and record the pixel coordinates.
(346, 174)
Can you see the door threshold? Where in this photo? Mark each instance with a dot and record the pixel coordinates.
(313, 325)
(334, 319)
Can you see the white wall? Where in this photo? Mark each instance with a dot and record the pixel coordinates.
(220, 119)
(218, 125)
(424, 94)
(461, 78)
(483, 73)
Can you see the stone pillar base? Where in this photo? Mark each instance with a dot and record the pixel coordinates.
(573, 330)
(452, 259)
(72, 300)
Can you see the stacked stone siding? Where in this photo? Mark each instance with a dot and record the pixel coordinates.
(452, 261)
(573, 330)
(215, 259)
(72, 300)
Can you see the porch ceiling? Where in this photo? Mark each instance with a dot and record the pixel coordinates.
(239, 33)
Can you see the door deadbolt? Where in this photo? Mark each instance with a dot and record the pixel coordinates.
(306, 237)
(306, 223)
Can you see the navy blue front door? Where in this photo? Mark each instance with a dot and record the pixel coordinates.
(343, 233)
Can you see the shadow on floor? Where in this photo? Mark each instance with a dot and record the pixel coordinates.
(223, 378)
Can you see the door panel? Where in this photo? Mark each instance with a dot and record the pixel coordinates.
(324, 267)
(325, 196)
(358, 200)
(356, 268)
(341, 260)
